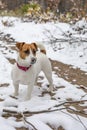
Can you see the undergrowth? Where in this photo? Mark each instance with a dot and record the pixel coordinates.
(34, 11)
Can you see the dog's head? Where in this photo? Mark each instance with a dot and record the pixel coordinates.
(27, 53)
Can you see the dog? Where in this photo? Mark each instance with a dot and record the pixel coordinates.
(30, 62)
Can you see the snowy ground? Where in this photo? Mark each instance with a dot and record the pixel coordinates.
(73, 54)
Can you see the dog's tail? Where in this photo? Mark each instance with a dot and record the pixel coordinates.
(41, 47)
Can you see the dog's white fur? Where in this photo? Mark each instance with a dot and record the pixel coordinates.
(29, 77)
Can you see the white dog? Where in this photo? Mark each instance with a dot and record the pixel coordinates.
(28, 65)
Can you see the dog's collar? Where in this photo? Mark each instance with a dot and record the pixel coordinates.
(23, 67)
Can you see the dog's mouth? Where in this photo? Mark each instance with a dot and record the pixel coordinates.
(33, 61)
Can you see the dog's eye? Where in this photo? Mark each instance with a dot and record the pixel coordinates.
(26, 52)
(34, 51)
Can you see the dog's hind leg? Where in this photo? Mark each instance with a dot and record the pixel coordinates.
(50, 80)
(48, 73)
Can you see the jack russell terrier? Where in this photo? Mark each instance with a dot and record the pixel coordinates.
(28, 65)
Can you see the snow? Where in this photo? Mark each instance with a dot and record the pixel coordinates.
(29, 32)
(5, 69)
(75, 55)
(56, 119)
(4, 124)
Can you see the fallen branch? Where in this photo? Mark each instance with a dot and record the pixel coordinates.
(31, 112)
(47, 111)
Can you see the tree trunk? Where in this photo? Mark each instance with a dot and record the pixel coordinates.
(43, 4)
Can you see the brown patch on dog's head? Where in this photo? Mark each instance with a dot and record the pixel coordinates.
(24, 49)
(33, 48)
(41, 49)
(35, 45)
(19, 45)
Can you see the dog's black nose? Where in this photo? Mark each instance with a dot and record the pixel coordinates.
(33, 60)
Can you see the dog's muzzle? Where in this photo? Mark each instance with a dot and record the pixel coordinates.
(33, 61)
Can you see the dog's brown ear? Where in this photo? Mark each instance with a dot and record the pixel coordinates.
(35, 45)
(19, 45)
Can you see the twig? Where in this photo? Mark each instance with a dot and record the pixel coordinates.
(79, 112)
(24, 118)
(74, 111)
(81, 122)
(83, 96)
(70, 115)
(68, 37)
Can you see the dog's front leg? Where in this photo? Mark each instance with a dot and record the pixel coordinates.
(29, 91)
(16, 88)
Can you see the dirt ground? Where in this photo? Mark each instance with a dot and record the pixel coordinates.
(72, 75)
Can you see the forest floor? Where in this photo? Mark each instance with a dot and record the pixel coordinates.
(70, 87)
